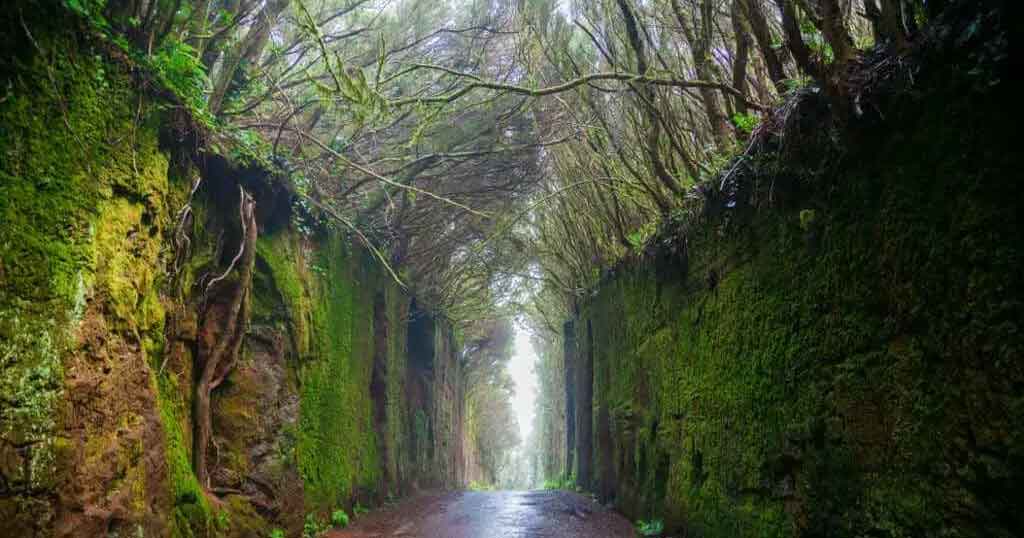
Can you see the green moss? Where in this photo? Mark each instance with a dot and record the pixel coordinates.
(85, 205)
(77, 174)
(241, 519)
(125, 264)
(396, 304)
(30, 382)
(285, 263)
(834, 375)
(336, 444)
(192, 515)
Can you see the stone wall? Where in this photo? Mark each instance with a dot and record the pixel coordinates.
(844, 360)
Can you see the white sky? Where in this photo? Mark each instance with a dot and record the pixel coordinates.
(520, 367)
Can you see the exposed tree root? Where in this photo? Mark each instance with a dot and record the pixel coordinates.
(182, 239)
(230, 324)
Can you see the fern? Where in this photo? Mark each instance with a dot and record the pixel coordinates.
(178, 66)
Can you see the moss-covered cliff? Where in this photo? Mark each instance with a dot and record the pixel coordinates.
(109, 304)
(845, 361)
(83, 198)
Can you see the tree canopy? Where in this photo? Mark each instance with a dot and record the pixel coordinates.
(496, 154)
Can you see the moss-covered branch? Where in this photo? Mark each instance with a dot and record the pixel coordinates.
(628, 78)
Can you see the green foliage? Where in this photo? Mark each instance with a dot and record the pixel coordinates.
(746, 122)
(179, 68)
(91, 10)
(339, 519)
(638, 238)
(359, 509)
(565, 483)
(175, 64)
(365, 103)
(276, 533)
(314, 526)
(807, 218)
(348, 83)
(797, 83)
(489, 420)
(222, 521)
(249, 148)
(816, 41)
(653, 527)
(480, 486)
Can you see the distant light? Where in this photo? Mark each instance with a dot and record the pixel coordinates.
(521, 369)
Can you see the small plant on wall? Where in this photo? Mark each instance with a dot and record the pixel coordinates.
(339, 519)
(654, 527)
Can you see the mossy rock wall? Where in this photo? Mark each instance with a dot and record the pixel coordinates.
(846, 365)
(99, 330)
(318, 415)
(83, 206)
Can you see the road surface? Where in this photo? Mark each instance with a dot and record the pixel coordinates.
(491, 514)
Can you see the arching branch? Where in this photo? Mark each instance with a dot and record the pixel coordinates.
(630, 78)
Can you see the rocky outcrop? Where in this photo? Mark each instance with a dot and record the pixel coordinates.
(112, 296)
(81, 442)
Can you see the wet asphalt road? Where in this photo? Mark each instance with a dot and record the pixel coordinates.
(492, 514)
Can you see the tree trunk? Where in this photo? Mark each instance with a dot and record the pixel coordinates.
(833, 27)
(246, 52)
(207, 34)
(703, 64)
(741, 57)
(888, 21)
(795, 41)
(647, 96)
(762, 33)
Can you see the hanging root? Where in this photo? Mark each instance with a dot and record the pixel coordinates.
(182, 239)
(245, 204)
(182, 252)
(221, 359)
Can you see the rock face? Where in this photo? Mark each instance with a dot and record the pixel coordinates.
(844, 362)
(344, 390)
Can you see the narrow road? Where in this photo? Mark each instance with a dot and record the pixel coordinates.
(492, 514)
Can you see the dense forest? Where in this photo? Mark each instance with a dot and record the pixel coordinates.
(263, 262)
